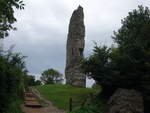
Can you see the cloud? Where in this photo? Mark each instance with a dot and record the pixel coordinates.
(43, 27)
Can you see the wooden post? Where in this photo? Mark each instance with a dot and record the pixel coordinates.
(91, 96)
(84, 102)
(70, 104)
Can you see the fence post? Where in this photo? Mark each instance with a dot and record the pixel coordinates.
(91, 96)
(84, 102)
(70, 104)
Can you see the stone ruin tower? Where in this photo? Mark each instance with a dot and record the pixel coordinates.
(75, 48)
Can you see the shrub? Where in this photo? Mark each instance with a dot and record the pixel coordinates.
(14, 107)
(12, 69)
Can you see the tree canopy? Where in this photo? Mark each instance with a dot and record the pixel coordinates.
(128, 64)
(7, 18)
(12, 65)
(51, 76)
(31, 81)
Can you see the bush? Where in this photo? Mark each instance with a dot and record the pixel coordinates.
(12, 70)
(96, 86)
(14, 107)
(30, 81)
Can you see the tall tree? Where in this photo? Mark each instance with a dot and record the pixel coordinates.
(98, 67)
(51, 76)
(133, 41)
(7, 18)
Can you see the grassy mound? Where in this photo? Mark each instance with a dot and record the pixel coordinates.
(59, 94)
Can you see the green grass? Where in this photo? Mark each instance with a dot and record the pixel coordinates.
(86, 109)
(59, 94)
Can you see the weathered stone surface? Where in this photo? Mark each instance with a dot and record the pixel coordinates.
(126, 101)
(75, 48)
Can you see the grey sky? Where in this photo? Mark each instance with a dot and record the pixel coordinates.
(43, 27)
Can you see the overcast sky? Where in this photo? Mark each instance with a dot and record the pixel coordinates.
(43, 27)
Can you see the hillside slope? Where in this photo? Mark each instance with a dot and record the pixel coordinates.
(59, 94)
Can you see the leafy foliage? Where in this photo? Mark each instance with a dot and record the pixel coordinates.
(96, 86)
(38, 82)
(14, 107)
(7, 15)
(98, 67)
(51, 76)
(12, 65)
(133, 41)
(30, 81)
(12, 70)
(127, 65)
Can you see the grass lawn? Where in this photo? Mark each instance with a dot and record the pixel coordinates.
(59, 94)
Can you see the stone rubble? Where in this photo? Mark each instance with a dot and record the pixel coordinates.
(126, 101)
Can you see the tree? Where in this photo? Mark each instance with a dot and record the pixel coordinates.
(98, 66)
(30, 81)
(133, 41)
(128, 65)
(7, 17)
(38, 82)
(51, 76)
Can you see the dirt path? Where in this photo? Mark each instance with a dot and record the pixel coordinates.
(49, 108)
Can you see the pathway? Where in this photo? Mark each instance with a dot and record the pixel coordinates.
(32, 105)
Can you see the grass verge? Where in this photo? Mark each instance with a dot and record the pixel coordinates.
(59, 94)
